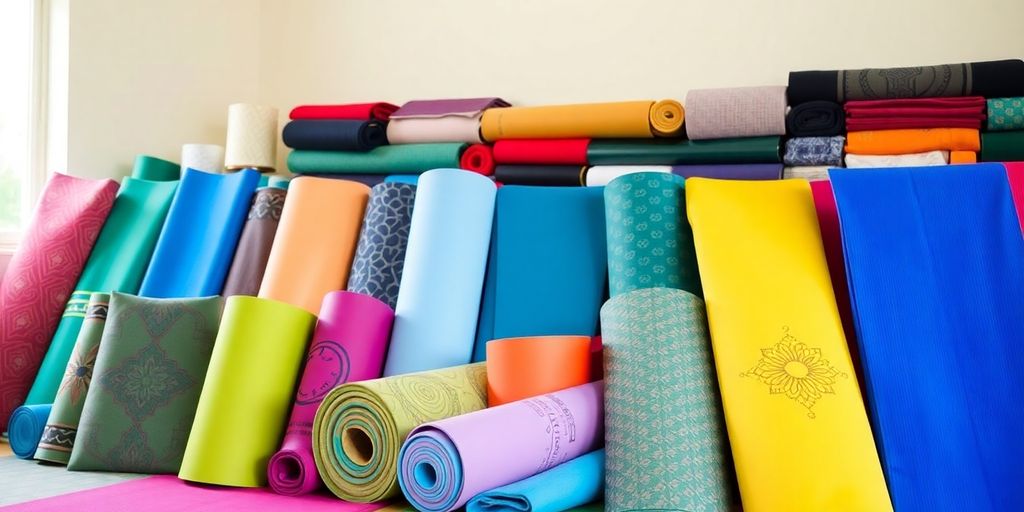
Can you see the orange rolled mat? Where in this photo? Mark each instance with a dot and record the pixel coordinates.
(519, 368)
(315, 241)
(899, 142)
(626, 119)
(963, 157)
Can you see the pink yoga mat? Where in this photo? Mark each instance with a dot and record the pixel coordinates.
(41, 276)
(1015, 173)
(445, 463)
(165, 493)
(349, 344)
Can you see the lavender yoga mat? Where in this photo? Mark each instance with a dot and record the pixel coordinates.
(445, 463)
(348, 344)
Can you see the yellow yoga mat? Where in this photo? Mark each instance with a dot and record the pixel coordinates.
(626, 119)
(315, 241)
(797, 425)
(248, 391)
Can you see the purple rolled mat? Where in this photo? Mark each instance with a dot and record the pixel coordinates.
(731, 171)
(253, 250)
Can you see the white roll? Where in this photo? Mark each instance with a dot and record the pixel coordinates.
(601, 175)
(252, 137)
(907, 160)
(202, 157)
(809, 173)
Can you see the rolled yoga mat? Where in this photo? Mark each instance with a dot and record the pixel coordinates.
(202, 157)
(25, 427)
(553, 363)
(650, 244)
(360, 426)
(383, 238)
(949, 240)
(58, 437)
(601, 175)
(898, 142)
(1005, 114)
(445, 463)
(478, 158)
(542, 175)
(116, 264)
(448, 120)
(443, 276)
(547, 265)
(812, 151)
(251, 137)
(659, 372)
(348, 345)
(334, 135)
(380, 111)
(991, 79)
(149, 371)
(563, 487)
(247, 392)
(255, 242)
(194, 251)
(37, 285)
(151, 168)
(397, 159)
(735, 112)
(541, 151)
(1002, 146)
(791, 400)
(684, 152)
(626, 119)
(315, 241)
(816, 119)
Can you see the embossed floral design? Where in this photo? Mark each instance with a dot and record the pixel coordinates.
(78, 374)
(147, 381)
(796, 370)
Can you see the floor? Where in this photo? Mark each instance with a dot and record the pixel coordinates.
(5, 449)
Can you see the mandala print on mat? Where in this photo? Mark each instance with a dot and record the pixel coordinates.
(800, 372)
(78, 374)
(425, 397)
(146, 381)
(380, 254)
(267, 205)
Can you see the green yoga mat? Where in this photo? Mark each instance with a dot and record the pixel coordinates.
(155, 169)
(149, 372)
(116, 264)
(747, 150)
(397, 159)
(665, 436)
(62, 426)
(360, 427)
(649, 240)
(1002, 146)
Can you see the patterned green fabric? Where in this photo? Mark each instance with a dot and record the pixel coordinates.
(665, 439)
(649, 241)
(149, 372)
(1005, 114)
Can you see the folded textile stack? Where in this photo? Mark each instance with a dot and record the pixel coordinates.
(1003, 139)
(817, 130)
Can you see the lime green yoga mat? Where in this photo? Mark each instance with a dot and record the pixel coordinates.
(116, 264)
(397, 159)
(1002, 146)
(248, 392)
(747, 150)
(360, 427)
(155, 169)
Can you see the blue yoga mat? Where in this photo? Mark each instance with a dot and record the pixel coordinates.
(26, 427)
(548, 264)
(195, 248)
(935, 261)
(411, 179)
(439, 295)
(577, 482)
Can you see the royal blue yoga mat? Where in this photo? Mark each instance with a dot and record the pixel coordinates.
(562, 487)
(26, 427)
(935, 261)
(198, 241)
(547, 267)
(439, 296)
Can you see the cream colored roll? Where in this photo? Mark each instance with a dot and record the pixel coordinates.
(252, 137)
(202, 157)
(601, 175)
(809, 173)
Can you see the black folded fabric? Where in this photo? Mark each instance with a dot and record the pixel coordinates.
(334, 135)
(1000, 78)
(816, 119)
(552, 175)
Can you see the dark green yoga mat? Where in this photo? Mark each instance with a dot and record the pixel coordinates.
(155, 169)
(149, 371)
(397, 159)
(747, 150)
(1002, 146)
(117, 263)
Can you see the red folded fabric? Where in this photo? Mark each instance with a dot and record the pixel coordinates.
(541, 151)
(478, 158)
(953, 102)
(895, 114)
(886, 123)
(356, 111)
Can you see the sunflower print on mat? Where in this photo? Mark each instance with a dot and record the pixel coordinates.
(796, 370)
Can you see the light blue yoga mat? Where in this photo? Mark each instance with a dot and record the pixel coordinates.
(577, 482)
(439, 296)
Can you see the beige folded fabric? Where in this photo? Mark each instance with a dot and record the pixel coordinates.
(908, 160)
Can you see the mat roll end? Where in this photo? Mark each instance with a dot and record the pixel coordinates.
(667, 118)
(293, 473)
(25, 428)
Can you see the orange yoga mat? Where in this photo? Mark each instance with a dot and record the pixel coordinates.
(900, 142)
(963, 157)
(626, 119)
(315, 241)
(519, 368)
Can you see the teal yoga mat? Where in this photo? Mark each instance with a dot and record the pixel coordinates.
(397, 159)
(116, 264)
(195, 248)
(151, 168)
